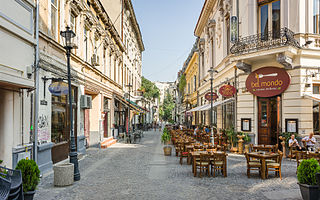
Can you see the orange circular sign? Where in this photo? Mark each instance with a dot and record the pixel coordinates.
(227, 90)
(268, 81)
(211, 96)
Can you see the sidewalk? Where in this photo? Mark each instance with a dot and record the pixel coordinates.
(141, 171)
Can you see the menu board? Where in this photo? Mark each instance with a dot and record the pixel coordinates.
(291, 125)
(245, 124)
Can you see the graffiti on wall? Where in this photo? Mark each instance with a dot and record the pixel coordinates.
(43, 132)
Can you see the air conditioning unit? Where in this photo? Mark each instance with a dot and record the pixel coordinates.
(85, 102)
(95, 60)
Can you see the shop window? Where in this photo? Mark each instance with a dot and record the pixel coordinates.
(316, 19)
(194, 83)
(60, 120)
(228, 115)
(265, 17)
(316, 116)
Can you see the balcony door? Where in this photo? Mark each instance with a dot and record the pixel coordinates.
(269, 20)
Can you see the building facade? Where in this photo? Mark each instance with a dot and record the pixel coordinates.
(101, 107)
(272, 67)
(17, 33)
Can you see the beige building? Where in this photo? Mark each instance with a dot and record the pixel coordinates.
(281, 34)
(17, 52)
(99, 78)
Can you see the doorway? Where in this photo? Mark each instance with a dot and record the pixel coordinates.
(269, 120)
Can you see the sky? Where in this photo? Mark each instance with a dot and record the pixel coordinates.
(167, 28)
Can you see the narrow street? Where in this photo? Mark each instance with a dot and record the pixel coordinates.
(141, 171)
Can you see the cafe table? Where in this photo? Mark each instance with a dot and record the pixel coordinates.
(196, 154)
(262, 156)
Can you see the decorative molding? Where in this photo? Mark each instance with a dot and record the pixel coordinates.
(285, 61)
(244, 67)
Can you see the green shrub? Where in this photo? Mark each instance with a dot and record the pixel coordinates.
(307, 170)
(165, 137)
(3, 172)
(30, 174)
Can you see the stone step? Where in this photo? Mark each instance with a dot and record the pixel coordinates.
(108, 142)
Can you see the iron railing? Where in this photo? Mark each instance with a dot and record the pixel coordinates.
(264, 41)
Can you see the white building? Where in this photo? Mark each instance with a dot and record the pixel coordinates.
(17, 55)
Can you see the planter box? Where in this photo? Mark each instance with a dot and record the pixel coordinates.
(63, 174)
(309, 192)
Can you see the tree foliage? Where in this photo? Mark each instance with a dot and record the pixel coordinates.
(150, 90)
(166, 108)
(182, 84)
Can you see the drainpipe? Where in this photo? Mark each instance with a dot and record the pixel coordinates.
(36, 105)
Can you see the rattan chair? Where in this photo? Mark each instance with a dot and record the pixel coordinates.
(203, 164)
(276, 167)
(252, 165)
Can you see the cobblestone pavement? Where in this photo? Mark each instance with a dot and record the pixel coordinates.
(140, 171)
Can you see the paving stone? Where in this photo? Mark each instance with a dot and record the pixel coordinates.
(141, 171)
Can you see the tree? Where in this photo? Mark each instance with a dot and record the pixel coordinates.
(150, 90)
(166, 108)
(182, 84)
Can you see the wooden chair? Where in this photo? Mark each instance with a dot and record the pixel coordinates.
(300, 155)
(203, 164)
(276, 167)
(217, 163)
(252, 165)
(183, 153)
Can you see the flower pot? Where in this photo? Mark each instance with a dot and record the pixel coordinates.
(29, 195)
(167, 150)
(309, 192)
(63, 174)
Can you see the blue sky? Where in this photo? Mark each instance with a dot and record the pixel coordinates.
(167, 28)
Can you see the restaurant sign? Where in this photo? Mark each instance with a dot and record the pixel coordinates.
(268, 81)
(58, 88)
(211, 96)
(227, 91)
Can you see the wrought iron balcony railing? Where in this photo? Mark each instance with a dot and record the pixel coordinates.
(268, 40)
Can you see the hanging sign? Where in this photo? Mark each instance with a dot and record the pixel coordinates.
(227, 91)
(268, 81)
(234, 29)
(211, 96)
(58, 88)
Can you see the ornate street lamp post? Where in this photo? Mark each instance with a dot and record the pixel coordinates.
(68, 34)
(211, 71)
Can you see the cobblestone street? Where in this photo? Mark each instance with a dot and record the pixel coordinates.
(140, 171)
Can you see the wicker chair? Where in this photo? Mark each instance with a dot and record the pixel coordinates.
(5, 186)
(15, 177)
(217, 163)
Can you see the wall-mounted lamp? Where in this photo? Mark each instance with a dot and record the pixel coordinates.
(307, 43)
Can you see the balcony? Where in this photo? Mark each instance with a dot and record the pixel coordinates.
(266, 41)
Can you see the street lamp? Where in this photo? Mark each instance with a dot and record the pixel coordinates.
(211, 71)
(68, 34)
(128, 134)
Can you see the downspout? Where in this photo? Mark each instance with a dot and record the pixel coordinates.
(235, 80)
(36, 104)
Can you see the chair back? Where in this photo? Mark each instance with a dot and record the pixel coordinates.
(204, 157)
(247, 158)
(5, 186)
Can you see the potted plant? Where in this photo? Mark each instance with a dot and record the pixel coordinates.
(30, 177)
(306, 174)
(165, 138)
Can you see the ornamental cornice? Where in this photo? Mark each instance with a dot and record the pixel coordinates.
(204, 16)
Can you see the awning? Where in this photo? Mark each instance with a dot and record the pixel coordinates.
(196, 108)
(315, 97)
(135, 106)
(208, 106)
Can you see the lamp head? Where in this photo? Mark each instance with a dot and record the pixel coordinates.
(68, 34)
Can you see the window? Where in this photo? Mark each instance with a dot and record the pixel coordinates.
(188, 88)
(228, 34)
(228, 115)
(73, 22)
(316, 13)
(194, 83)
(316, 116)
(54, 18)
(269, 21)
(85, 34)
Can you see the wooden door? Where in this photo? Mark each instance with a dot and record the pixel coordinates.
(105, 125)
(264, 121)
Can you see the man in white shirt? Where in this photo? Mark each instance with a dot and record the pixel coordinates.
(309, 140)
(293, 142)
